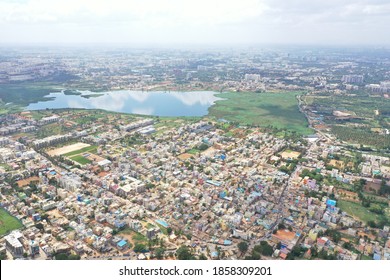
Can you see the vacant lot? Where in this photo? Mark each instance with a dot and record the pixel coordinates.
(73, 149)
(8, 223)
(287, 154)
(185, 156)
(90, 149)
(279, 110)
(133, 237)
(357, 210)
(27, 181)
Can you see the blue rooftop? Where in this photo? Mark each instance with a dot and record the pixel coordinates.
(122, 243)
(331, 202)
(163, 223)
(227, 242)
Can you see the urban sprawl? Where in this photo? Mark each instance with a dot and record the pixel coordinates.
(91, 184)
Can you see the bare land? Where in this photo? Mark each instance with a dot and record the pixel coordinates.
(290, 154)
(68, 149)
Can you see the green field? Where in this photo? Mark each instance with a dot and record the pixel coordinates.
(358, 211)
(80, 159)
(8, 223)
(25, 93)
(367, 112)
(361, 136)
(9, 108)
(135, 236)
(139, 237)
(37, 115)
(366, 258)
(279, 110)
(167, 123)
(194, 151)
(5, 166)
(362, 105)
(91, 149)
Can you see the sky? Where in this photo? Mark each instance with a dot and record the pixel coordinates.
(195, 22)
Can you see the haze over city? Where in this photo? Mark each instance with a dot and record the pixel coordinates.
(201, 22)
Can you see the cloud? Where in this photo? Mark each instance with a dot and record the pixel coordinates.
(149, 12)
(192, 98)
(110, 102)
(195, 21)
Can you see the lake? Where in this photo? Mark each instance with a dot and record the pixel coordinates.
(155, 103)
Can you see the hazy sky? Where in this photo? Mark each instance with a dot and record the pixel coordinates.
(212, 22)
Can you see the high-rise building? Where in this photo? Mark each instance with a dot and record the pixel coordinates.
(252, 77)
(14, 244)
(352, 79)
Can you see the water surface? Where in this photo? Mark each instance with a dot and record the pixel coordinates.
(156, 103)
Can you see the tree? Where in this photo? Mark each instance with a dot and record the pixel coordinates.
(61, 256)
(39, 226)
(138, 247)
(335, 235)
(73, 257)
(253, 256)
(203, 257)
(203, 147)
(376, 209)
(160, 253)
(264, 248)
(183, 253)
(243, 247)
(348, 246)
(385, 189)
(281, 226)
(267, 250)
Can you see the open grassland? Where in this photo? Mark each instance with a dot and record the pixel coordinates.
(358, 211)
(279, 110)
(80, 159)
(9, 108)
(25, 93)
(167, 123)
(8, 223)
